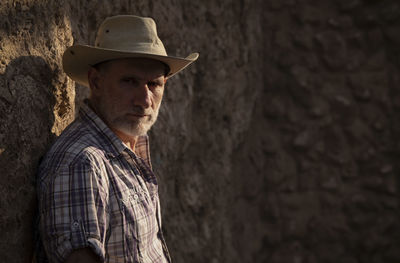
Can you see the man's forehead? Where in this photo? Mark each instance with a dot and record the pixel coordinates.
(139, 65)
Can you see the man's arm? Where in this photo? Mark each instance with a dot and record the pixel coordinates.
(83, 255)
(73, 204)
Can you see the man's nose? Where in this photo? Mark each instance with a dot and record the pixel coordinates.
(143, 96)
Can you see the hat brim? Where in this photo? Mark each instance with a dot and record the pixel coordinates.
(78, 59)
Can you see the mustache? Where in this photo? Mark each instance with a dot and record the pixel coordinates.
(140, 111)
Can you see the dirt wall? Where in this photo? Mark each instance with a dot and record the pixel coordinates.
(278, 145)
(327, 126)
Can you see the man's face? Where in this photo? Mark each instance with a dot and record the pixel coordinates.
(127, 93)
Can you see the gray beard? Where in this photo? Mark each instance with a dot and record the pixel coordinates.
(137, 128)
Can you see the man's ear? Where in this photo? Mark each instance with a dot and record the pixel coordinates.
(93, 79)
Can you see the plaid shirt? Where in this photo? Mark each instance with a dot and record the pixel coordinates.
(95, 192)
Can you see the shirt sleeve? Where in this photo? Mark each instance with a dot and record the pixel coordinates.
(73, 205)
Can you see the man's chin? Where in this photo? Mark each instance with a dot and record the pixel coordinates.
(136, 131)
(132, 128)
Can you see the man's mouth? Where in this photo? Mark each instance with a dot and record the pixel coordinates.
(137, 115)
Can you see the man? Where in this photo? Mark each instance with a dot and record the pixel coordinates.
(98, 196)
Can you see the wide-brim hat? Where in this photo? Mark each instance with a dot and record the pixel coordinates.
(123, 36)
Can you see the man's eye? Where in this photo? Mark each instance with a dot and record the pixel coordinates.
(129, 80)
(154, 85)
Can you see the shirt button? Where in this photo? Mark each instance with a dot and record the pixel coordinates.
(75, 225)
(136, 196)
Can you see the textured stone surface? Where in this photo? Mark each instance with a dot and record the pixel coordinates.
(327, 126)
(280, 144)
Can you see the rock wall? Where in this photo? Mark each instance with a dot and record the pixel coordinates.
(278, 145)
(327, 126)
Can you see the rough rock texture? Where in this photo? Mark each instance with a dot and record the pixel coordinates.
(280, 144)
(327, 126)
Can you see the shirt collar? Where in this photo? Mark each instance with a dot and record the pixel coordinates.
(112, 144)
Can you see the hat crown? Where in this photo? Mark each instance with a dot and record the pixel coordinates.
(130, 33)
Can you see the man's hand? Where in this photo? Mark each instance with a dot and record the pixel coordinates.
(83, 255)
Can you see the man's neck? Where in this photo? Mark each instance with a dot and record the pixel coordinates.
(130, 141)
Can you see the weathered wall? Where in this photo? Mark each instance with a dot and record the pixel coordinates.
(278, 145)
(327, 126)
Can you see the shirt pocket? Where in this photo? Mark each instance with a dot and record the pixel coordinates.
(139, 213)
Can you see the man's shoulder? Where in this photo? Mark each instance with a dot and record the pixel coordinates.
(78, 143)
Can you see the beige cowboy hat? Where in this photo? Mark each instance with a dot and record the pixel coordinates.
(123, 36)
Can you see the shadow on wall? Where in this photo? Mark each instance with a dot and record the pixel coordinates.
(26, 117)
